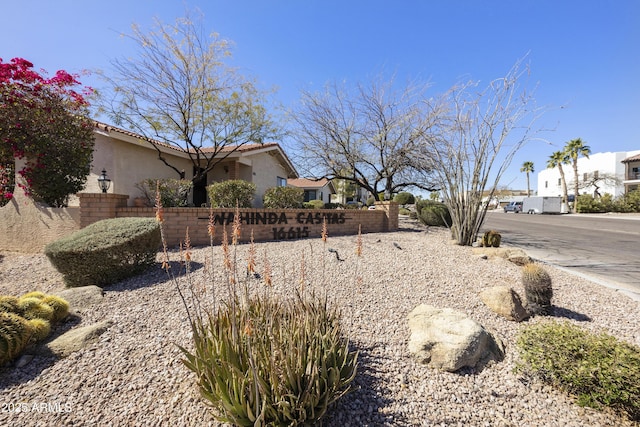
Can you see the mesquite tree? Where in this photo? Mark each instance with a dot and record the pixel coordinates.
(366, 136)
(478, 137)
(179, 91)
(44, 121)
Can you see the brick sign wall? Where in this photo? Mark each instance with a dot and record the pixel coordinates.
(266, 224)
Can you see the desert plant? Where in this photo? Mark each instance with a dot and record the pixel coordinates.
(537, 289)
(106, 251)
(491, 239)
(34, 308)
(232, 193)
(41, 328)
(283, 198)
(433, 213)
(314, 204)
(272, 362)
(597, 368)
(59, 305)
(173, 192)
(9, 304)
(15, 333)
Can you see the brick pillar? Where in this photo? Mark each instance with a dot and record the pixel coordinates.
(391, 210)
(234, 170)
(97, 206)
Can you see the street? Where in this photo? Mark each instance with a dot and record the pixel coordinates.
(603, 247)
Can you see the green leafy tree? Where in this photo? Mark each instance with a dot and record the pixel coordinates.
(574, 149)
(556, 160)
(178, 91)
(527, 167)
(44, 120)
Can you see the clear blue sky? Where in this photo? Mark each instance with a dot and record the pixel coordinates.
(585, 54)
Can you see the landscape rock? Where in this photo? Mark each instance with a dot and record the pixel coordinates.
(82, 297)
(504, 301)
(449, 340)
(77, 338)
(514, 255)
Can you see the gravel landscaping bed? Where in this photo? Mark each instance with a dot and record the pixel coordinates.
(133, 375)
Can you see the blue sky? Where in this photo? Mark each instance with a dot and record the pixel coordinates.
(584, 55)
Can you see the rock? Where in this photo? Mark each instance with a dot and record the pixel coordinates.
(24, 360)
(505, 302)
(514, 255)
(81, 297)
(76, 339)
(447, 339)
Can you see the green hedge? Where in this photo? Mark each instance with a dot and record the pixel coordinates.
(228, 194)
(283, 198)
(106, 252)
(433, 213)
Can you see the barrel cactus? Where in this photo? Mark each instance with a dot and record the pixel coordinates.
(15, 333)
(34, 308)
(537, 289)
(491, 239)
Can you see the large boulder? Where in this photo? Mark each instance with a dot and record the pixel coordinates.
(504, 301)
(514, 255)
(447, 339)
(77, 338)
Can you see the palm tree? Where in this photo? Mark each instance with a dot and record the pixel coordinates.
(573, 150)
(558, 159)
(527, 167)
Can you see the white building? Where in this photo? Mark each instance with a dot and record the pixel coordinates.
(603, 167)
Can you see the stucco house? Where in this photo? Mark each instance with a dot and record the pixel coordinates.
(129, 158)
(619, 172)
(320, 189)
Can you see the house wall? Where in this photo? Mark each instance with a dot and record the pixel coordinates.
(128, 163)
(264, 171)
(604, 163)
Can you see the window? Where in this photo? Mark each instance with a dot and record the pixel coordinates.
(559, 181)
(546, 184)
(309, 195)
(585, 177)
(596, 175)
(281, 182)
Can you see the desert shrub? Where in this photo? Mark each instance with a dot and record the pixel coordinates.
(370, 201)
(232, 193)
(598, 369)
(629, 202)
(404, 198)
(314, 204)
(173, 192)
(332, 205)
(283, 198)
(491, 239)
(106, 251)
(537, 289)
(433, 213)
(272, 362)
(404, 211)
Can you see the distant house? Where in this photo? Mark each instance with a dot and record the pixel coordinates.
(130, 158)
(631, 180)
(615, 172)
(321, 189)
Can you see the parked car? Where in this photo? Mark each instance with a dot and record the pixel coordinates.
(515, 207)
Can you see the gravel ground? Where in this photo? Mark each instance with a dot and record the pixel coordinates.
(133, 375)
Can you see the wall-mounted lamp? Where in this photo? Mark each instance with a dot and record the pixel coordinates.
(103, 181)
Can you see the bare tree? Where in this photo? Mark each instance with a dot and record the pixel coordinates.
(482, 132)
(178, 91)
(596, 180)
(367, 136)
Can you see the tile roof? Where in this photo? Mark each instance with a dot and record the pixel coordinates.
(308, 183)
(632, 159)
(228, 148)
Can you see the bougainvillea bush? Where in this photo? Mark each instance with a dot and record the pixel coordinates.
(45, 121)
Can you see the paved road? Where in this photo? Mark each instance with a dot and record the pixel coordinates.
(605, 248)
